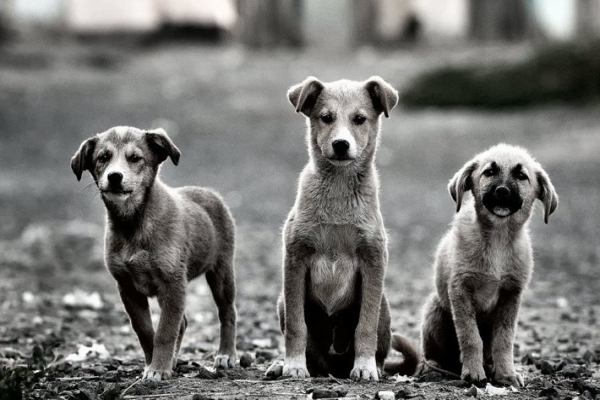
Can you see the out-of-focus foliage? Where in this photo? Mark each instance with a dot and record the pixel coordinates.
(567, 72)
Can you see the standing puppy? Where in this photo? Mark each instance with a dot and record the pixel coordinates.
(332, 311)
(483, 264)
(159, 238)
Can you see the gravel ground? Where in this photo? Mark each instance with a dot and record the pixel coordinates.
(226, 109)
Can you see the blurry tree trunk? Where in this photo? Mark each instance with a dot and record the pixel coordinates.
(365, 19)
(588, 18)
(499, 19)
(268, 23)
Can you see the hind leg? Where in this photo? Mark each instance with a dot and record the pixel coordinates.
(438, 337)
(222, 285)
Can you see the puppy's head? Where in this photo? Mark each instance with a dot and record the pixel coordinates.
(124, 162)
(505, 181)
(343, 116)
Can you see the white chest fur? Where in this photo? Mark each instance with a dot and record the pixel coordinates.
(333, 281)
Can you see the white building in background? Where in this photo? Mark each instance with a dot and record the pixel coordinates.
(324, 20)
(105, 16)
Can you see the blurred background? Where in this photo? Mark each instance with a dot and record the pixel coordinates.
(214, 74)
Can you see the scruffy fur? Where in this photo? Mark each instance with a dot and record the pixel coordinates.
(483, 265)
(158, 239)
(332, 311)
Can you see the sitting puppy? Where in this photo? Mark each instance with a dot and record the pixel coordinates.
(159, 238)
(332, 312)
(482, 266)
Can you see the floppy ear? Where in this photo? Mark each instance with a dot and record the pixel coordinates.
(461, 182)
(383, 95)
(304, 95)
(162, 144)
(82, 160)
(546, 194)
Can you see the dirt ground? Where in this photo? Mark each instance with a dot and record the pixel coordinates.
(226, 109)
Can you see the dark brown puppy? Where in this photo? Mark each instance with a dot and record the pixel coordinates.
(158, 239)
(332, 311)
(482, 266)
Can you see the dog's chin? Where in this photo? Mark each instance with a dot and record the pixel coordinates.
(502, 211)
(340, 162)
(116, 195)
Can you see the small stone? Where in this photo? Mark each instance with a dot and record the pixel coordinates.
(547, 367)
(527, 359)
(572, 371)
(275, 371)
(203, 373)
(201, 397)
(472, 391)
(246, 360)
(549, 393)
(385, 395)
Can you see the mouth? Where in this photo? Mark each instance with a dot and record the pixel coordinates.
(501, 212)
(340, 161)
(502, 208)
(118, 193)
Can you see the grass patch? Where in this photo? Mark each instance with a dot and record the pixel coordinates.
(563, 73)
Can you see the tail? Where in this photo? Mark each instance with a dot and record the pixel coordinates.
(409, 365)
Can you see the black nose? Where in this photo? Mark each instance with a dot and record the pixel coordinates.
(115, 178)
(502, 192)
(340, 147)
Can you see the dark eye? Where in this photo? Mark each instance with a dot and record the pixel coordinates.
(359, 120)
(103, 157)
(489, 172)
(327, 118)
(134, 158)
(521, 176)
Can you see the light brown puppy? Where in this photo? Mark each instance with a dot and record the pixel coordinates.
(158, 239)
(332, 311)
(483, 265)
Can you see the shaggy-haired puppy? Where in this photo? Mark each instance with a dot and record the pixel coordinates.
(158, 239)
(482, 266)
(333, 313)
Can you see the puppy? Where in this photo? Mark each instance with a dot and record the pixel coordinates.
(159, 238)
(332, 311)
(483, 265)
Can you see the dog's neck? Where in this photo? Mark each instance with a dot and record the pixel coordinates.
(129, 218)
(339, 194)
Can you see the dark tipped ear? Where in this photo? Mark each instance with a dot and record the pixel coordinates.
(461, 182)
(303, 96)
(383, 95)
(546, 194)
(162, 144)
(82, 160)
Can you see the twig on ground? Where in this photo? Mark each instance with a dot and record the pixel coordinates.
(78, 378)
(336, 380)
(130, 386)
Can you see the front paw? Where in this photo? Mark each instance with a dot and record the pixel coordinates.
(364, 370)
(224, 361)
(473, 373)
(295, 368)
(151, 374)
(508, 378)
